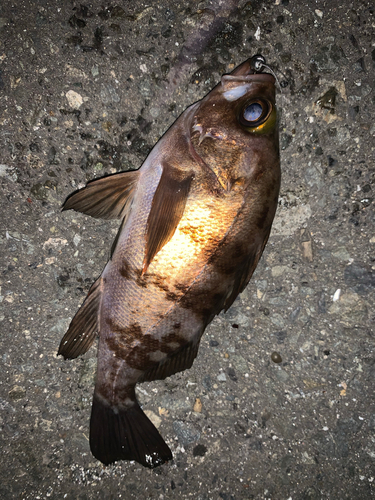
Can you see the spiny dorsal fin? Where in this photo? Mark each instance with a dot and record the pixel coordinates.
(115, 241)
(82, 330)
(167, 208)
(106, 198)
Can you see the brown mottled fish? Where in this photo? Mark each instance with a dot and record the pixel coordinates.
(195, 219)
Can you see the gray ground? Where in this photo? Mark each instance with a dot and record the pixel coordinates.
(87, 89)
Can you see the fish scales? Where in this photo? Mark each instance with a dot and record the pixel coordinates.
(195, 219)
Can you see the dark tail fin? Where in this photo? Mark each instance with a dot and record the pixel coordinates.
(117, 434)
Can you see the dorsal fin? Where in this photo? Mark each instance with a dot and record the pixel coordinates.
(84, 326)
(167, 208)
(106, 198)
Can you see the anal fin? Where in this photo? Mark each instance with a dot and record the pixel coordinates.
(176, 362)
(83, 327)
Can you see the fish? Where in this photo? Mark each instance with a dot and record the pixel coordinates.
(195, 218)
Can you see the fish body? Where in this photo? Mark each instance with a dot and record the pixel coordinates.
(195, 219)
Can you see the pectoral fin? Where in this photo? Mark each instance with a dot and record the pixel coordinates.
(168, 205)
(106, 198)
(83, 328)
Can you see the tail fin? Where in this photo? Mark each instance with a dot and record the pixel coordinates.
(125, 434)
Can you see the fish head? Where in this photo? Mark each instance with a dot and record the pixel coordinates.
(235, 127)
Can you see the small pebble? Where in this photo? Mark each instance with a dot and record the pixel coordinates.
(75, 100)
(276, 358)
(197, 406)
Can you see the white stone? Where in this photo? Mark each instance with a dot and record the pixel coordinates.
(75, 100)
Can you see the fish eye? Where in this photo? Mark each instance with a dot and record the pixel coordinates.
(258, 116)
(253, 112)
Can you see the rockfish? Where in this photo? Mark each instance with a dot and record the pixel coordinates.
(195, 220)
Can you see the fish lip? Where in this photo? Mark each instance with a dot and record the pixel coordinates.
(254, 77)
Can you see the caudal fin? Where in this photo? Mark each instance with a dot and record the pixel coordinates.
(117, 434)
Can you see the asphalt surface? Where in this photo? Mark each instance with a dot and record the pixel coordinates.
(279, 403)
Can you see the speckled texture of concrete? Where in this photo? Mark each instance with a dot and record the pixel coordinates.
(87, 89)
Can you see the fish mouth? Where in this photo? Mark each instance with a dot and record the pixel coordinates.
(252, 77)
(235, 86)
(250, 70)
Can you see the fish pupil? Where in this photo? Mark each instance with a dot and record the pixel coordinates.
(253, 112)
